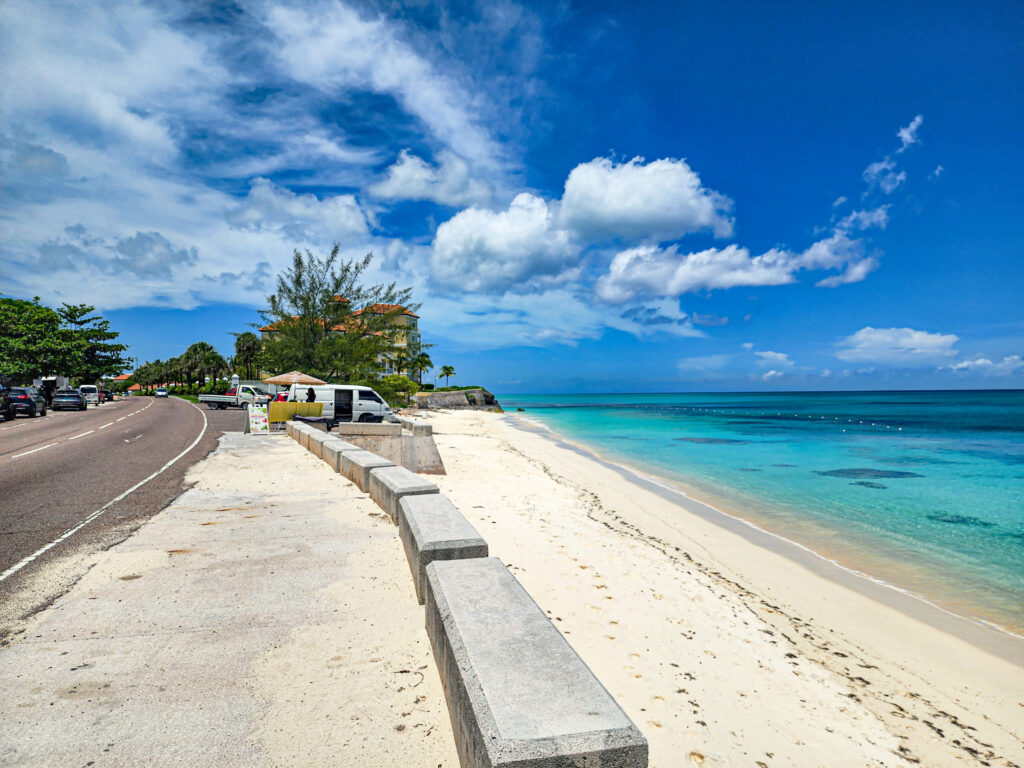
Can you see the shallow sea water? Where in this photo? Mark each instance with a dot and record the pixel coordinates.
(922, 490)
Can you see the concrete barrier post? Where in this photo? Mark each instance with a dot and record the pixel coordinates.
(431, 528)
(332, 449)
(356, 466)
(518, 694)
(389, 484)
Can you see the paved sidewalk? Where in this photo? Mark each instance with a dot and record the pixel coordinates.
(266, 617)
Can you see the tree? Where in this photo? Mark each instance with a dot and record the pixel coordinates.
(447, 371)
(95, 353)
(419, 365)
(248, 350)
(327, 322)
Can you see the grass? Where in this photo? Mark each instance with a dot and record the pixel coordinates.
(452, 388)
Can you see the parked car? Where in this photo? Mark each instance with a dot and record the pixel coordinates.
(92, 394)
(344, 402)
(68, 398)
(107, 395)
(28, 400)
(160, 392)
(237, 397)
(6, 404)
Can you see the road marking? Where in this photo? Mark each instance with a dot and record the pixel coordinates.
(34, 450)
(82, 435)
(122, 418)
(72, 531)
(107, 425)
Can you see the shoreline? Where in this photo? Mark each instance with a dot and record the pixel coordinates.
(984, 634)
(720, 641)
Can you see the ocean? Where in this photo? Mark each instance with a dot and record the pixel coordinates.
(923, 491)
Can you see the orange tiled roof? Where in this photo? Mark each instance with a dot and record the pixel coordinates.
(123, 377)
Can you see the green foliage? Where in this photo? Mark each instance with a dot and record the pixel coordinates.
(248, 353)
(319, 332)
(447, 371)
(39, 341)
(397, 390)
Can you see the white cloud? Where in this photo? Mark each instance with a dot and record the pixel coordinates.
(899, 347)
(984, 365)
(908, 133)
(774, 359)
(661, 200)
(838, 201)
(882, 173)
(860, 220)
(648, 271)
(937, 172)
(303, 218)
(769, 375)
(451, 183)
(519, 249)
(747, 345)
(335, 50)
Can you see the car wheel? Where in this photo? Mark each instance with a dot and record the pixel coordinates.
(34, 413)
(365, 417)
(44, 411)
(245, 405)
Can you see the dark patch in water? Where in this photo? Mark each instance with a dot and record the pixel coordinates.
(747, 422)
(960, 520)
(868, 484)
(783, 465)
(866, 473)
(749, 469)
(711, 440)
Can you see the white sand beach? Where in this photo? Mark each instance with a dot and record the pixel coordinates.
(727, 649)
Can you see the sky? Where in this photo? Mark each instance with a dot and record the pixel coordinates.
(592, 197)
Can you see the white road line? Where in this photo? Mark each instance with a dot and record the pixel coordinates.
(34, 450)
(72, 531)
(107, 425)
(122, 418)
(82, 435)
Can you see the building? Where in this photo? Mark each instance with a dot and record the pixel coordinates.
(405, 322)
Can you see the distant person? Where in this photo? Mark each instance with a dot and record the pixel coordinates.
(310, 395)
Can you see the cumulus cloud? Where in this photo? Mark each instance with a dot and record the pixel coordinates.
(305, 218)
(899, 347)
(647, 271)
(838, 201)
(519, 249)
(450, 183)
(769, 375)
(987, 367)
(774, 359)
(908, 133)
(661, 200)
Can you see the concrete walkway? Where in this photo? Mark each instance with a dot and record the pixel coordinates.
(266, 617)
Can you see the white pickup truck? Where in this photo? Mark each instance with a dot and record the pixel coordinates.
(239, 397)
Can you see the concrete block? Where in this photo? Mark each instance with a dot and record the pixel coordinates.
(304, 434)
(356, 466)
(347, 429)
(289, 429)
(417, 427)
(432, 529)
(316, 441)
(332, 449)
(389, 484)
(518, 694)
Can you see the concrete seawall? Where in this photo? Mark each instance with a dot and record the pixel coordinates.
(518, 694)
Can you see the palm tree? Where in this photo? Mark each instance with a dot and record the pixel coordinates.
(447, 371)
(247, 352)
(419, 364)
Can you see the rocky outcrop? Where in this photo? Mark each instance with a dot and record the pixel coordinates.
(463, 398)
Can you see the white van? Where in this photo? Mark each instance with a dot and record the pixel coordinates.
(344, 402)
(90, 393)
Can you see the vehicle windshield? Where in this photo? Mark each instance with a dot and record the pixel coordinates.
(87, 388)
(259, 391)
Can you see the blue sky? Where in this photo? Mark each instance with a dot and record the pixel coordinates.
(594, 197)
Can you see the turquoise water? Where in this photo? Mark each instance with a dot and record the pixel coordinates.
(923, 490)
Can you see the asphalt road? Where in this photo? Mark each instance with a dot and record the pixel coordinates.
(61, 477)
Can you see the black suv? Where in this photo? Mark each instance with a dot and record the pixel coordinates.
(6, 404)
(28, 400)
